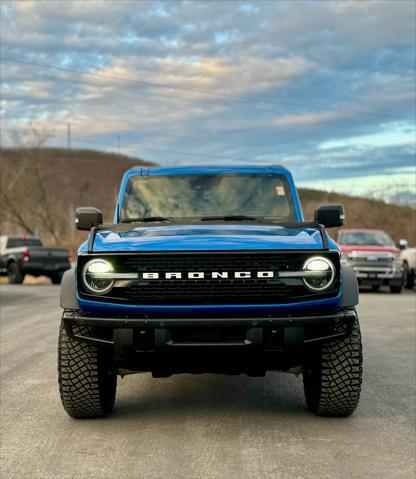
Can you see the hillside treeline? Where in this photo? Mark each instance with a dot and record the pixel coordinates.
(41, 187)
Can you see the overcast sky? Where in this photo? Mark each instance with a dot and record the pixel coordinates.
(325, 88)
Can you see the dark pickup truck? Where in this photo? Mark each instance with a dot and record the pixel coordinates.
(21, 255)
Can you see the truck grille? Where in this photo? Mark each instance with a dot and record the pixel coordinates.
(208, 290)
(365, 263)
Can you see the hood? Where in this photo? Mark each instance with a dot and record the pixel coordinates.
(369, 249)
(212, 237)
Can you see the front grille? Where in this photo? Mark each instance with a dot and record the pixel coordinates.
(209, 291)
(362, 262)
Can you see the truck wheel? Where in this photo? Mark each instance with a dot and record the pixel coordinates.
(408, 279)
(56, 278)
(86, 383)
(332, 380)
(14, 273)
(396, 289)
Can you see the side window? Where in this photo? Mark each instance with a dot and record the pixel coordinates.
(11, 243)
(19, 242)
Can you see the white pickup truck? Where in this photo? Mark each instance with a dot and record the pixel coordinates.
(408, 257)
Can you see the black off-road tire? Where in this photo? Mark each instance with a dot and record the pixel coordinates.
(333, 374)
(87, 384)
(56, 278)
(408, 277)
(14, 273)
(396, 289)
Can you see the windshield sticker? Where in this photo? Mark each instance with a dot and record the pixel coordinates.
(280, 190)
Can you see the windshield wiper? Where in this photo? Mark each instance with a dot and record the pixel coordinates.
(147, 219)
(164, 219)
(233, 218)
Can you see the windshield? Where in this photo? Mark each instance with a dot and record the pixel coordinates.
(370, 238)
(186, 196)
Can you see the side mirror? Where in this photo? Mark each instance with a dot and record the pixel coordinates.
(403, 244)
(87, 217)
(330, 215)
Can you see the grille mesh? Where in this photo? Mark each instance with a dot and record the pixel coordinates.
(211, 291)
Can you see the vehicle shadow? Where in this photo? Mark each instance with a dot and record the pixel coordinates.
(186, 394)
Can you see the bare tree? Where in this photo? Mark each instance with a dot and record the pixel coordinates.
(25, 198)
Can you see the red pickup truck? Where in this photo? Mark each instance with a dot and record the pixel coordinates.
(374, 257)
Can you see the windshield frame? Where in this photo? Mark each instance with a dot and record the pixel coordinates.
(295, 214)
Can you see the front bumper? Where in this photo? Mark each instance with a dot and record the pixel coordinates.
(39, 268)
(376, 273)
(377, 276)
(153, 333)
(226, 345)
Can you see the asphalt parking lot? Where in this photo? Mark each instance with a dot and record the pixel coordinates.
(205, 426)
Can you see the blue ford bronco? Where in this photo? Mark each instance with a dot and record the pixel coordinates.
(209, 270)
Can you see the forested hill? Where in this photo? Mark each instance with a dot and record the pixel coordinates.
(40, 189)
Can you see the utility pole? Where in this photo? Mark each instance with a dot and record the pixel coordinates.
(68, 136)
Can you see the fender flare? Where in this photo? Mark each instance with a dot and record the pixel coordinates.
(350, 292)
(11, 259)
(68, 297)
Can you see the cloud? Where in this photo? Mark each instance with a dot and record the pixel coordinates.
(285, 79)
(307, 119)
(392, 135)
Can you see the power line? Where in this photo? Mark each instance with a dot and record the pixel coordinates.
(163, 134)
(174, 151)
(164, 150)
(167, 135)
(241, 99)
(157, 95)
(141, 82)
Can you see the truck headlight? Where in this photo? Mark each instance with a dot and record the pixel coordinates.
(345, 259)
(397, 262)
(318, 273)
(94, 276)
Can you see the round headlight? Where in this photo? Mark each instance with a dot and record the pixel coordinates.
(93, 276)
(319, 273)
